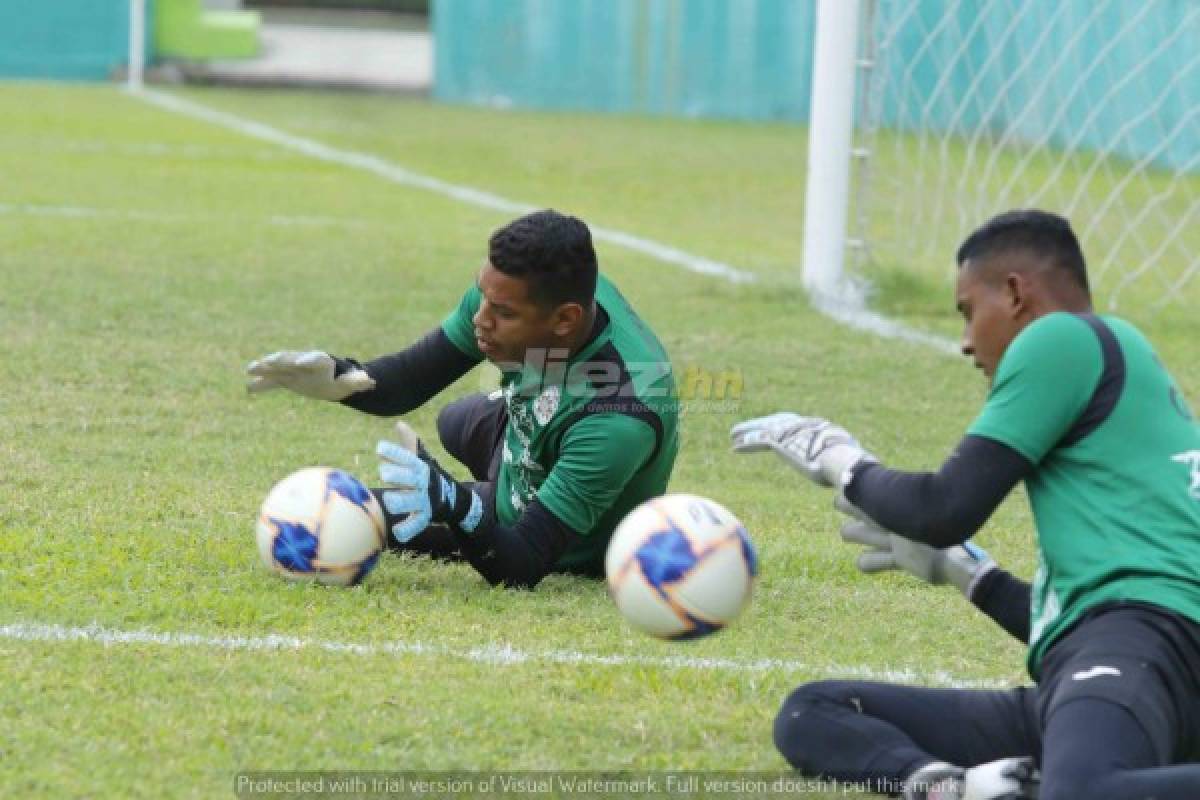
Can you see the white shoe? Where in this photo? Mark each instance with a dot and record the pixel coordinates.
(936, 781)
(1006, 779)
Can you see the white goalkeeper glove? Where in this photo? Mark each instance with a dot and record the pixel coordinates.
(962, 565)
(311, 373)
(816, 447)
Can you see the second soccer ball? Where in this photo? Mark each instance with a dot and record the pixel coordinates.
(680, 566)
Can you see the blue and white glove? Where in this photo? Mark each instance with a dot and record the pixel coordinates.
(824, 452)
(421, 491)
(312, 373)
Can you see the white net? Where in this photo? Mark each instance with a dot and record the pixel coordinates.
(1090, 108)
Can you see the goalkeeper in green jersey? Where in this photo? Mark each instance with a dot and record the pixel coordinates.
(1082, 411)
(584, 427)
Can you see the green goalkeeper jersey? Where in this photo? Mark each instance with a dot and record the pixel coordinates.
(591, 436)
(1115, 492)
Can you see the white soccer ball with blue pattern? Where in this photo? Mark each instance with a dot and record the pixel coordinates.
(680, 566)
(321, 524)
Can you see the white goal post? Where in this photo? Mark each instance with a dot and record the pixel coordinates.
(830, 137)
(137, 45)
(928, 116)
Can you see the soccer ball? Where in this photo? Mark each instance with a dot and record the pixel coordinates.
(680, 566)
(321, 524)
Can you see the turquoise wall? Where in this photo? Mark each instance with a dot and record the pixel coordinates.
(725, 58)
(63, 39)
(752, 59)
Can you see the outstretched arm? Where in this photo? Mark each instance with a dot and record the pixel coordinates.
(932, 514)
(409, 378)
(387, 386)
(942, 508)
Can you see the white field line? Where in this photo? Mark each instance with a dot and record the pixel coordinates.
(849, 307)
(405, 177)
(497, 654)
(852, 314)
(142, 150)
(87, 212)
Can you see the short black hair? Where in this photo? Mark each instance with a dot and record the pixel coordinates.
(552, 252)
(1040, 233)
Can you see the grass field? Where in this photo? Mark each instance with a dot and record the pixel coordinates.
(145, 257)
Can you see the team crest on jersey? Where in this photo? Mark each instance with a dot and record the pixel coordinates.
(1192, 459)
(546, 404)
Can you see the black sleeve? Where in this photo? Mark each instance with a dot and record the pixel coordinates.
(1005, 598)
(946, 507)
(521, 555)
(408, 379)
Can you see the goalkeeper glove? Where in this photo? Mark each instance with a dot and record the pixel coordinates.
(311, 373)
(962, 565)
(824, 452)
(419, 488)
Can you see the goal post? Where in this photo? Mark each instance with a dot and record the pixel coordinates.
(830, 141)
(137, 45)
(961, 109)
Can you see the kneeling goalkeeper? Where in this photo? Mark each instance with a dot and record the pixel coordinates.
(1082, 411)
(584, 427)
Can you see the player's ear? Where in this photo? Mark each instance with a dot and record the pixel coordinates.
(1019, 291)
(567, 318)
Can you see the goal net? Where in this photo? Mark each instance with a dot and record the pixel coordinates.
(1090, 108)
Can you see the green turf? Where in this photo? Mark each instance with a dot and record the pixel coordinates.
(147, 257)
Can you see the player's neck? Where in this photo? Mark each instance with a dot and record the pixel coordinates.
(1073, 305)
(1051, 298)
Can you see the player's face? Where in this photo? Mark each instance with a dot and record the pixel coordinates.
(509, 322)
(991, 317)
